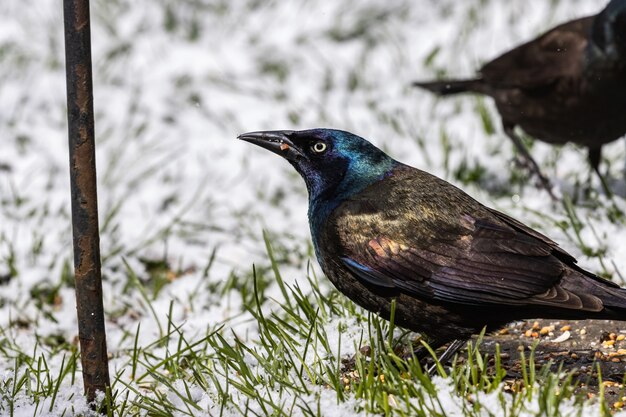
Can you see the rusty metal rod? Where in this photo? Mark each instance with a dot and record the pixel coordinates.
(91, 331)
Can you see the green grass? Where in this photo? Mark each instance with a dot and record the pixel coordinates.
(314, 350)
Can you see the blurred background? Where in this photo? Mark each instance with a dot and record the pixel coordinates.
(184, 205)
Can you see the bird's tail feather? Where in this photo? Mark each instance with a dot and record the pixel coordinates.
(448, 87)
(614, 300)
(613, 297)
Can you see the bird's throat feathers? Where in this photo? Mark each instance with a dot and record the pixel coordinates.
(343, 179)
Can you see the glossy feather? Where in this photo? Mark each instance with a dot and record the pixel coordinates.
(383, 230)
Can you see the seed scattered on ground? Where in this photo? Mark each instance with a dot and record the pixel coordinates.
(608, 343)
(563, 337)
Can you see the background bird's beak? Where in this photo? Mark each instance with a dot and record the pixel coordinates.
(276, 141)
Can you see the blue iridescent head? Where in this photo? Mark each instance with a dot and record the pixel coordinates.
(333, 163)
(608, 33)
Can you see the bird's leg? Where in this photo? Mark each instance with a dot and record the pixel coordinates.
(594, 156)
(528, 160)
(624, 166)
(421, 353)
(447, 354)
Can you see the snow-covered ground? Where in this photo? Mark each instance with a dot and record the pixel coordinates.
(175, 83)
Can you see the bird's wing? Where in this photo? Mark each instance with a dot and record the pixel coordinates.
(492, 262)
(540, 63)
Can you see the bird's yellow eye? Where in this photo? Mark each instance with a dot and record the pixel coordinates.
(319, 147)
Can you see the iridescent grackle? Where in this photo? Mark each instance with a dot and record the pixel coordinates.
(383, 230)
(567, 85)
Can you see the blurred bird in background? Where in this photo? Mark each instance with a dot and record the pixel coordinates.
(567, 85)
(383, 230)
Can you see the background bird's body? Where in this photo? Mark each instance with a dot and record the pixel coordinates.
(568, 85)
(383, 230)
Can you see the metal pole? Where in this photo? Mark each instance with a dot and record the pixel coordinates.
(89, 306)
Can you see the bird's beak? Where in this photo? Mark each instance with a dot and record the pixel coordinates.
(276, 141)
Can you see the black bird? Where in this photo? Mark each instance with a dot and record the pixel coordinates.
(383, 230)
(567, 85)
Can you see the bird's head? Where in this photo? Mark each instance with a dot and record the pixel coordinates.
(333, 163)
(608, 32)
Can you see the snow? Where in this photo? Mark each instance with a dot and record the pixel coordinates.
(173, 181)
